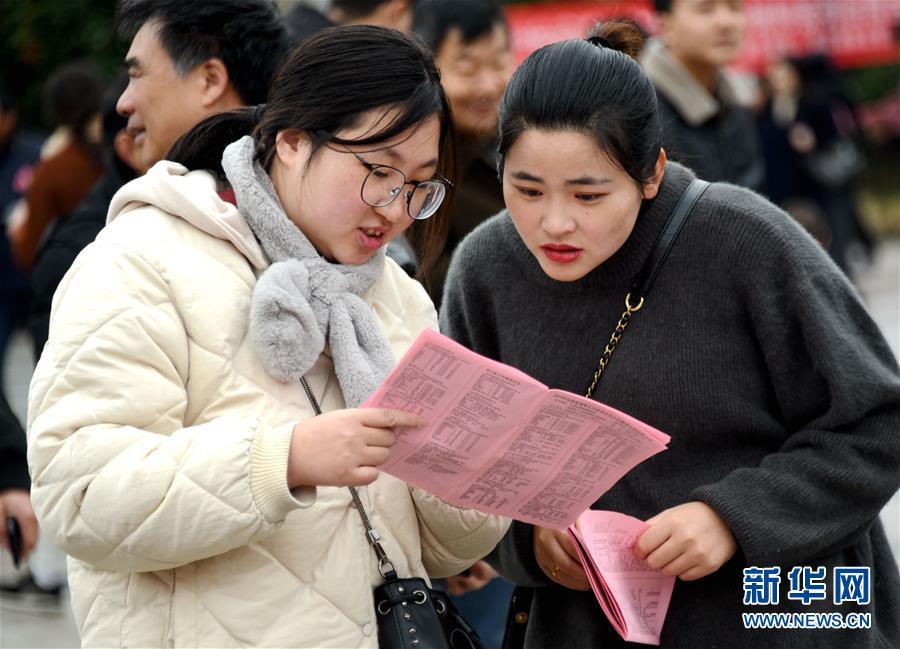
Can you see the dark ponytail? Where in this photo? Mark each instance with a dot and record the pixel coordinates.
(203, 145)
(73, 96)
(594, 86)
(325, 85)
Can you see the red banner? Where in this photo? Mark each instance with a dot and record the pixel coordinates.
(852, 32)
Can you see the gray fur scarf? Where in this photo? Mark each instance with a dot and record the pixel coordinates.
(302, 299)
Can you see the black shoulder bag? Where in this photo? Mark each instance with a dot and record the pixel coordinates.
(520, 604)
(410, 615)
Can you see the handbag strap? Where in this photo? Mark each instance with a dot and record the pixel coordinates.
(649, 272)
(385, 565)
(663, 245)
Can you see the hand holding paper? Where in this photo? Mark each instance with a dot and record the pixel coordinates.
(634, 597)
(689, 541)
(343, 447)
(557, 556)
(501, 442)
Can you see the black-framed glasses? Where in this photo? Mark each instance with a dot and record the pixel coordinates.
(383, 184)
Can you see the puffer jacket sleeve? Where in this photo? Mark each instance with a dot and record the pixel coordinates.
(453, 538)
(119, 481)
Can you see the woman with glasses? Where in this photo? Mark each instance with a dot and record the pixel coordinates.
(174, 448)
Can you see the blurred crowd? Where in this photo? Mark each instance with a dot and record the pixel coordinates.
(797, 140)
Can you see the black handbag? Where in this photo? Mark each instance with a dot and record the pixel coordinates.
(413, 616)
(410, 615)
(520, 604)
(836, 164)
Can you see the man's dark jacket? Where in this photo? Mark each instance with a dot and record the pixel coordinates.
(71, 236)
(713, 135)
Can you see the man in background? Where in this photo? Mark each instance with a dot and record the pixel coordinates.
(191, 60)
(187, 61)
(303, 21)
(705, 126)
(471, 44)
(387, 13)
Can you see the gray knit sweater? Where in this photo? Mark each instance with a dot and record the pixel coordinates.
(756, 355)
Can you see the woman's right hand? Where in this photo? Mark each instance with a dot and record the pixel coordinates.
(556, 555)
(344, 447)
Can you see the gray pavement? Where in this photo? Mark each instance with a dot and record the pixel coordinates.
(39, 622)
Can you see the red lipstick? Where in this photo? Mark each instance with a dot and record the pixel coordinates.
(561, 253)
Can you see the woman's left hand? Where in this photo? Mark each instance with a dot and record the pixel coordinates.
(689, 541)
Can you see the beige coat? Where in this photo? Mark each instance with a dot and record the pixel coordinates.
(158, 446)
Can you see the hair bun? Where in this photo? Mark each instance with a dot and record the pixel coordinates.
(620, 34)
(599, 41)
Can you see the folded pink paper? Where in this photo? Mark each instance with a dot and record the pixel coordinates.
(634, 597)
(501, 442)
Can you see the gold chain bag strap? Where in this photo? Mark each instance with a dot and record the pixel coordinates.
(410, 614)
(520, 604)
(644, 282)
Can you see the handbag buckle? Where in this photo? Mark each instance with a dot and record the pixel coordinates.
(385, 566)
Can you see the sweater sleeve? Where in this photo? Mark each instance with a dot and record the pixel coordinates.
(514, 557)
(121, 481)
(837, 387)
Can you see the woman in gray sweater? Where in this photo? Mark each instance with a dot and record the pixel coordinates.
(754, 353)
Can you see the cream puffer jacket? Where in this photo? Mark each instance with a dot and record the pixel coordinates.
(158, 446)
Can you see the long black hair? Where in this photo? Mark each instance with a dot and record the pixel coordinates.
(592, 86)
(325, 85)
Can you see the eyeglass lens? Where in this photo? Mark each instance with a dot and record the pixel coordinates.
(384, 184)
